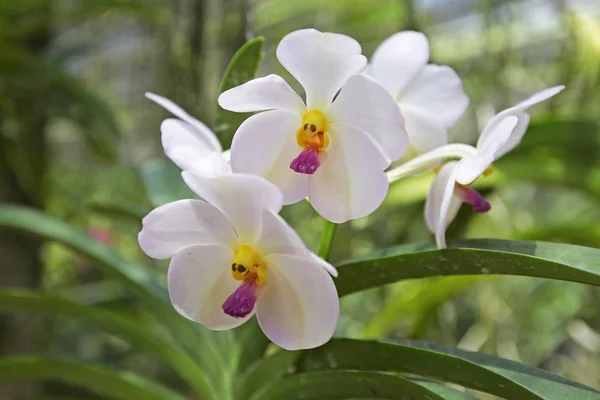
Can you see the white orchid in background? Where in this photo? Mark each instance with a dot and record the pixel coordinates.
(233, 256)
(450, 188)
(333, 151)
(430, 97)
(190, 144)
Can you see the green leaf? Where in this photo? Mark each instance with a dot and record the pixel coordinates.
(133, 212)
(250, 332)
(471, 257)
(346, 385)
(116, 384)
(35, 222)
(241, 69)
(266, 372)
(413, 300)
(477, 371)
(135, 278)
(147, 339)
(444, 391)
(163, 182)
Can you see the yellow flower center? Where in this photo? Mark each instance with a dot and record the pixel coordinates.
(313, 132)
(248, 264)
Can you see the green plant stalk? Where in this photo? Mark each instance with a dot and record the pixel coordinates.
(326, 239)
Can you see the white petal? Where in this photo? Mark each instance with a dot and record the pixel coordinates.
(436, 194)
(189, 148)
(445, 204)
(265, 145)
(472, 167)
(438, 93)
(277, 236)
(350, 183)
(515, 111)
(538, 98)
(325, 265)
(211, 165)
(399, 59)
(299, 307)
(269, 92)
(241, 197)
(424, 133)
(321, 62)
(432, 157)
(203, 131)
(173, 226)
(516, 136)
(200, 281)
(363, 102)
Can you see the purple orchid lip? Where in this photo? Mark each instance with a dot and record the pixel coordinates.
(241, 302)
(474, 198)
(307, 162)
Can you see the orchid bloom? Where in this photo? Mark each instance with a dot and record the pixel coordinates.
(233, 256)
(333, 151)
(190, 144)
(430, 97)
(450, 188)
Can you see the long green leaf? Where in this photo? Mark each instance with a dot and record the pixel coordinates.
(478, 371)
(265, 372)
(131, 331)
(241, 69)
(414, 300)
(346, 385)
(250, 332)
(471, 257)
(120, 385)
(444, 391)
(134, 277)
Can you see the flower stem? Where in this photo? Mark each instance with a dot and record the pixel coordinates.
(326, 238)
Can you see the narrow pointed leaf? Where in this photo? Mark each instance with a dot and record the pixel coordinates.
(135, 278)
(129, 330)
(265, 372)
(471, 257)
(478, 371)
(346, 385)
(250, 332)
(241, 69)
(445, 392)
(115, 384)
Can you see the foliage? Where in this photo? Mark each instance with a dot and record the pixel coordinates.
(546, 190)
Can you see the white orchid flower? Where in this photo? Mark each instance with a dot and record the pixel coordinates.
(190, 144)
(232, 258)
(333, 151)
(430, 97)
(451, 188)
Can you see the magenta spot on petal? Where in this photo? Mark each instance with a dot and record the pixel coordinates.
(241, 302)
(307, 162)
(474, 198)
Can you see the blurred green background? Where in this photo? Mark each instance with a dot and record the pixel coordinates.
(79, 140)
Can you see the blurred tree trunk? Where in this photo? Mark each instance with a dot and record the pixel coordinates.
(23, 154)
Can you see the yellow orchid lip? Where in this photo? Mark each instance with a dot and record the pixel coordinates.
(248, 267)
(313, 138)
